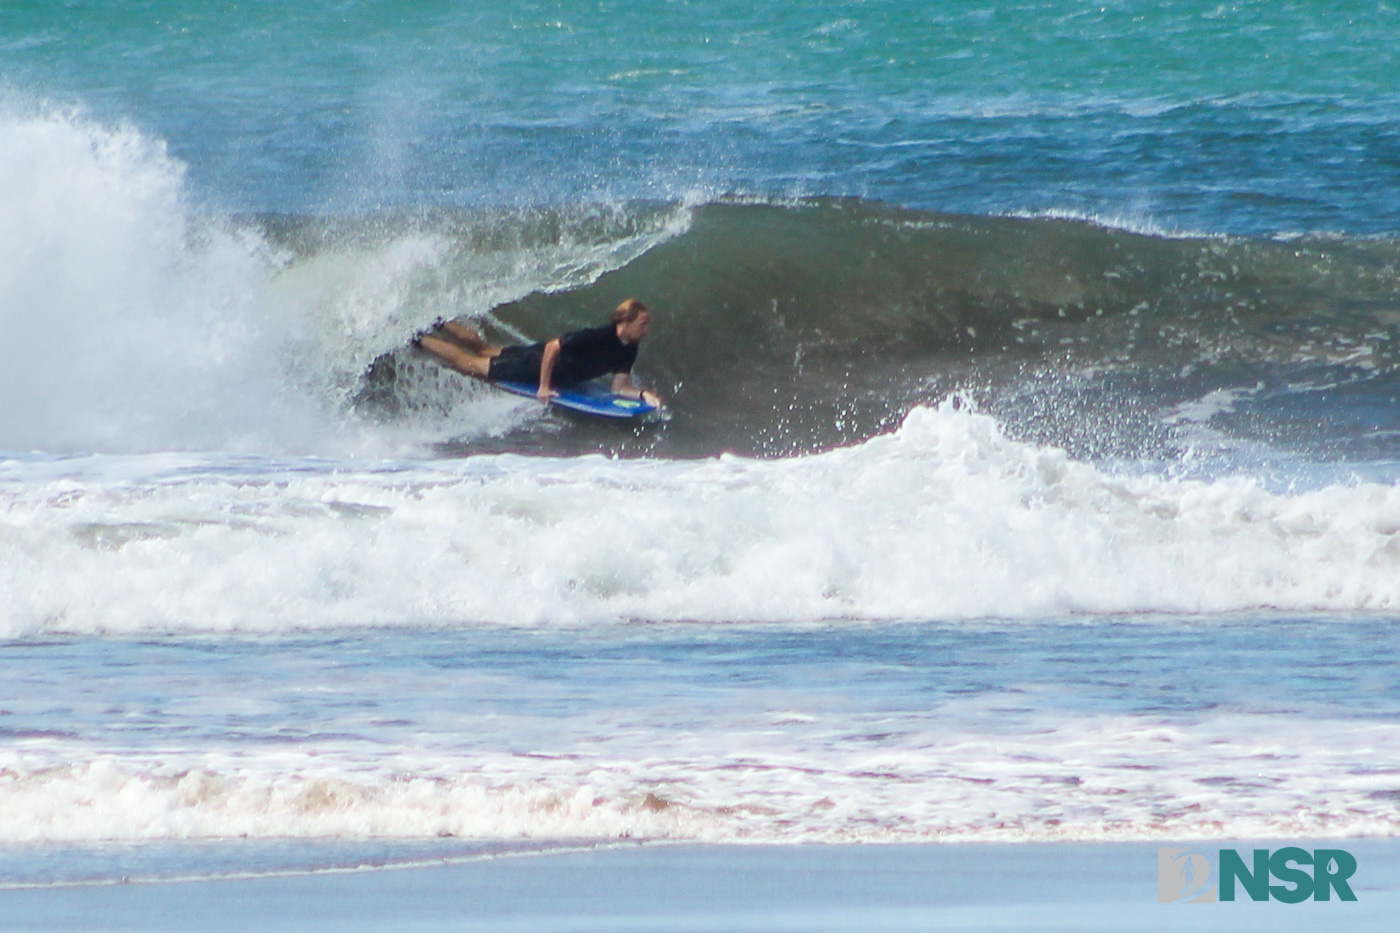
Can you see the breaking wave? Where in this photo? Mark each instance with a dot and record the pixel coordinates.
(136, 320)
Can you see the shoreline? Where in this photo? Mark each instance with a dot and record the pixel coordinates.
(687, 886)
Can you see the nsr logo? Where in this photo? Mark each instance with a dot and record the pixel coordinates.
(1182, 875)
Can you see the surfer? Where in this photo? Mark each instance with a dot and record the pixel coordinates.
(564, 361)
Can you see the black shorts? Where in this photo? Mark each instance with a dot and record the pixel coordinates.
(517, 364)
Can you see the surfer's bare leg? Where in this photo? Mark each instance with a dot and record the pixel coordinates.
(468, 364)
(469, 339)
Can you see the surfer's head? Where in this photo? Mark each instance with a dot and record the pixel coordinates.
(632, 320)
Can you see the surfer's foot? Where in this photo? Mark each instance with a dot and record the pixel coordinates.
(417, 339)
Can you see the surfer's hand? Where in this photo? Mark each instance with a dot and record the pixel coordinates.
(651, 398)
(545, 394)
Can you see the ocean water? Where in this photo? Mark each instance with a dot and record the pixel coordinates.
(1029, 470)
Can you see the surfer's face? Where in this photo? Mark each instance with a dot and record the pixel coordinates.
(635, 329)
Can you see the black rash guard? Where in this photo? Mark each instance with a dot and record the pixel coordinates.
(583, 355)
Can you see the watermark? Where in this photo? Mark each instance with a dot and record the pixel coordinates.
(1185, 875)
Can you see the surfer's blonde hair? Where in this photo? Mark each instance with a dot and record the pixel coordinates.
(629, 311)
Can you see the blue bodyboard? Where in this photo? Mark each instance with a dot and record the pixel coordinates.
(591, 398)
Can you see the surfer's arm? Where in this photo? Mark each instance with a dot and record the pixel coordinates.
(551, 356)
(622, 385)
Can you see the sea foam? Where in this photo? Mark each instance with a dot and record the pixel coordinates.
(945, 518)
(957, 774)
(135, 317)
(126, 324)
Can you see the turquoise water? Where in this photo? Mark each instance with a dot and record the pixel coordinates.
(1245, 117)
